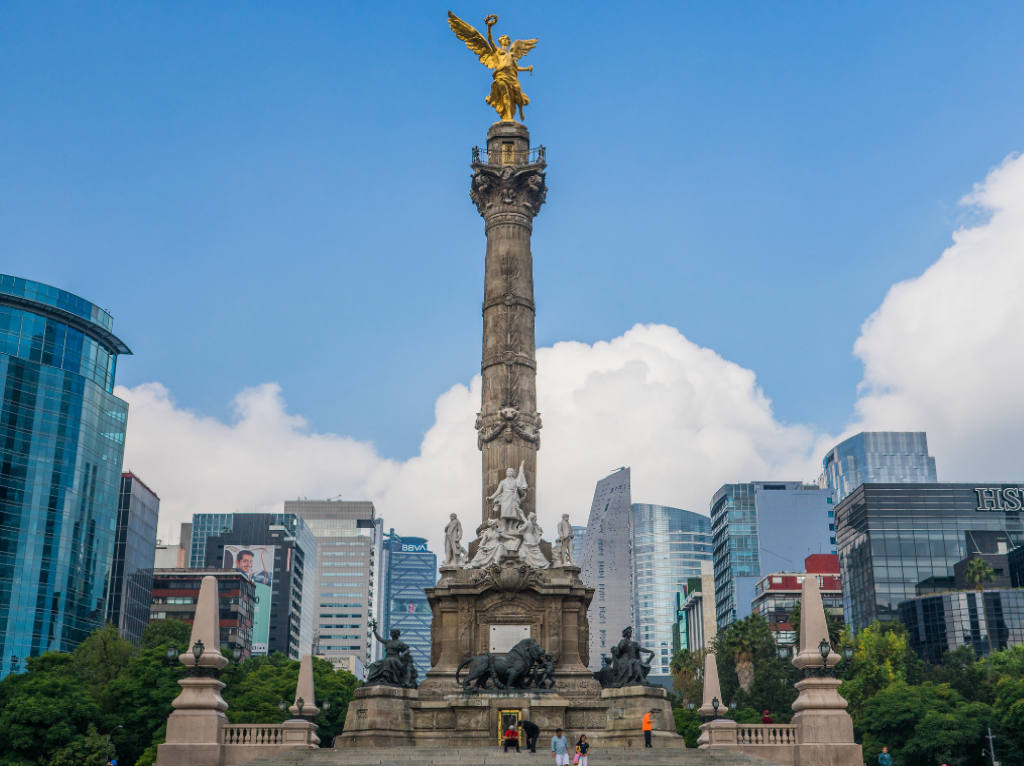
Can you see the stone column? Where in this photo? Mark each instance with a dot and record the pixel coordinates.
(824, 729)
(194, 727)
(302, 731)
(508, 190)
(716, 731)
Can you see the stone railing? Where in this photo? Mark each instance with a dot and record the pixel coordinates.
(252, 734)
(766, 735)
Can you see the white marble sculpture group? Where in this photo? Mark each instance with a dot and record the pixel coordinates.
(510, 533)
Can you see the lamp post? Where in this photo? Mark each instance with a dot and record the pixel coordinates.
(171, 654)
(824, 648)
(715, 704)
(197, 653)
(236, 653)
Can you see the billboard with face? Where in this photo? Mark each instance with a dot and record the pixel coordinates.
(257, 564)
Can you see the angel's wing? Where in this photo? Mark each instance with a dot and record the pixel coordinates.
(473, 39)
(520, 48)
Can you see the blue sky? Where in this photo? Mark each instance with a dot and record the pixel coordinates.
(279, 191)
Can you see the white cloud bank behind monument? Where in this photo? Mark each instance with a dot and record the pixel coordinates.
(943, 353)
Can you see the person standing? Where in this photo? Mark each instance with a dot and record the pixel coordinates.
(582, 749)
(560, 747)
(532, 732)
(767, 718)
(647, 726)
(885, 758)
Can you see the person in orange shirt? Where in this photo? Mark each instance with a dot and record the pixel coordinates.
(648, 725)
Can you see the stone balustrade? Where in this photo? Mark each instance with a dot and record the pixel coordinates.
(766, 735)
(252, 734)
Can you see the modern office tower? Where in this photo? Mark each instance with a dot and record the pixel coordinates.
(61, 445)
(350, 543)
(938, 623)
(131, 576)
(894, 538)
(578, 534)
(776, 594)
(175, 591)
(764, 527)
(278, 553)
(698, 608)
(607, 564)
(668, 548)
(407, 568)
(1015, 563)
(876, 456)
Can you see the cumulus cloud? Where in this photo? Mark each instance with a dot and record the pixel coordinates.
(683, 417)
(941, 354)
(943, 351)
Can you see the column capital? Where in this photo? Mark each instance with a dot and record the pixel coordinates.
(508, 189)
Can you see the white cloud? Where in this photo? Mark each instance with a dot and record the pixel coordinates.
(943, 351)
(683, 417)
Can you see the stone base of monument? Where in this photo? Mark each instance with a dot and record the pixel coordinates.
(626, 707)
(379, 716)
(193, 736)
(823, 726)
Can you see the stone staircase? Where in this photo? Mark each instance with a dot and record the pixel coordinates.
(495, 756)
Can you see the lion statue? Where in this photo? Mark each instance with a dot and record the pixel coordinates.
(509, 670)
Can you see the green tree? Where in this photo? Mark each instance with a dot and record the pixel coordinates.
(687, 724)
(881, 656)
(750, 641)
(167, 632)
(978, 573)
(687, 669)
(43, 710)
(100, 658)
(90, 748)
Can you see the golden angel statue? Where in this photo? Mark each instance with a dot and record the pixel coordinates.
(503, 58)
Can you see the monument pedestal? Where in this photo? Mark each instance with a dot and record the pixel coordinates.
(824, 729)
(472, 606)
(626, 707)
(379, 716)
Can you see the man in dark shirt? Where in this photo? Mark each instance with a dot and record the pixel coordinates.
(532, 733)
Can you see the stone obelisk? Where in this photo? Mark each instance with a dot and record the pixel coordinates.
(508, 189)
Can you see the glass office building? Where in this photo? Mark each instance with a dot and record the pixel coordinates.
(409, 567)
(764, 527)
(61, 445)
(668, 547)
(893, 537)
(131, 578)
(877, 456)
(937, 623)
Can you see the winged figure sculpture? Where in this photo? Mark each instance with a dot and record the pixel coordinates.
(506, 93)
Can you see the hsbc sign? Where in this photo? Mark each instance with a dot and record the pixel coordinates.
(1000, 498)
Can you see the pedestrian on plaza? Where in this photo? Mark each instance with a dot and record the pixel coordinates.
(647, 726)
(767, 718)
(582, 749)
(560, 747)
(512, 737)
(532, 733)
(885, 758)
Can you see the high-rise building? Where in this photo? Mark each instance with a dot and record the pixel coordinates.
(61, 445)
(175, 591)
(764, 527)
(938, 623)
(878, 457)
(278, 553)
(668, 548)
(350, 543)
(408, 568)
(777, 594)
(897, 540)
(578, 533)
(131, 576)
(698, 610)
(607, 563)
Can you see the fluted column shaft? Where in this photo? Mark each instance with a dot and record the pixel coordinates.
(508, 190)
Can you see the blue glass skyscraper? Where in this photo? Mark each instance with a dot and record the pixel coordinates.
(409, 568)
(668, 547)
(61, 446)
(764, 527)
(876, 456)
